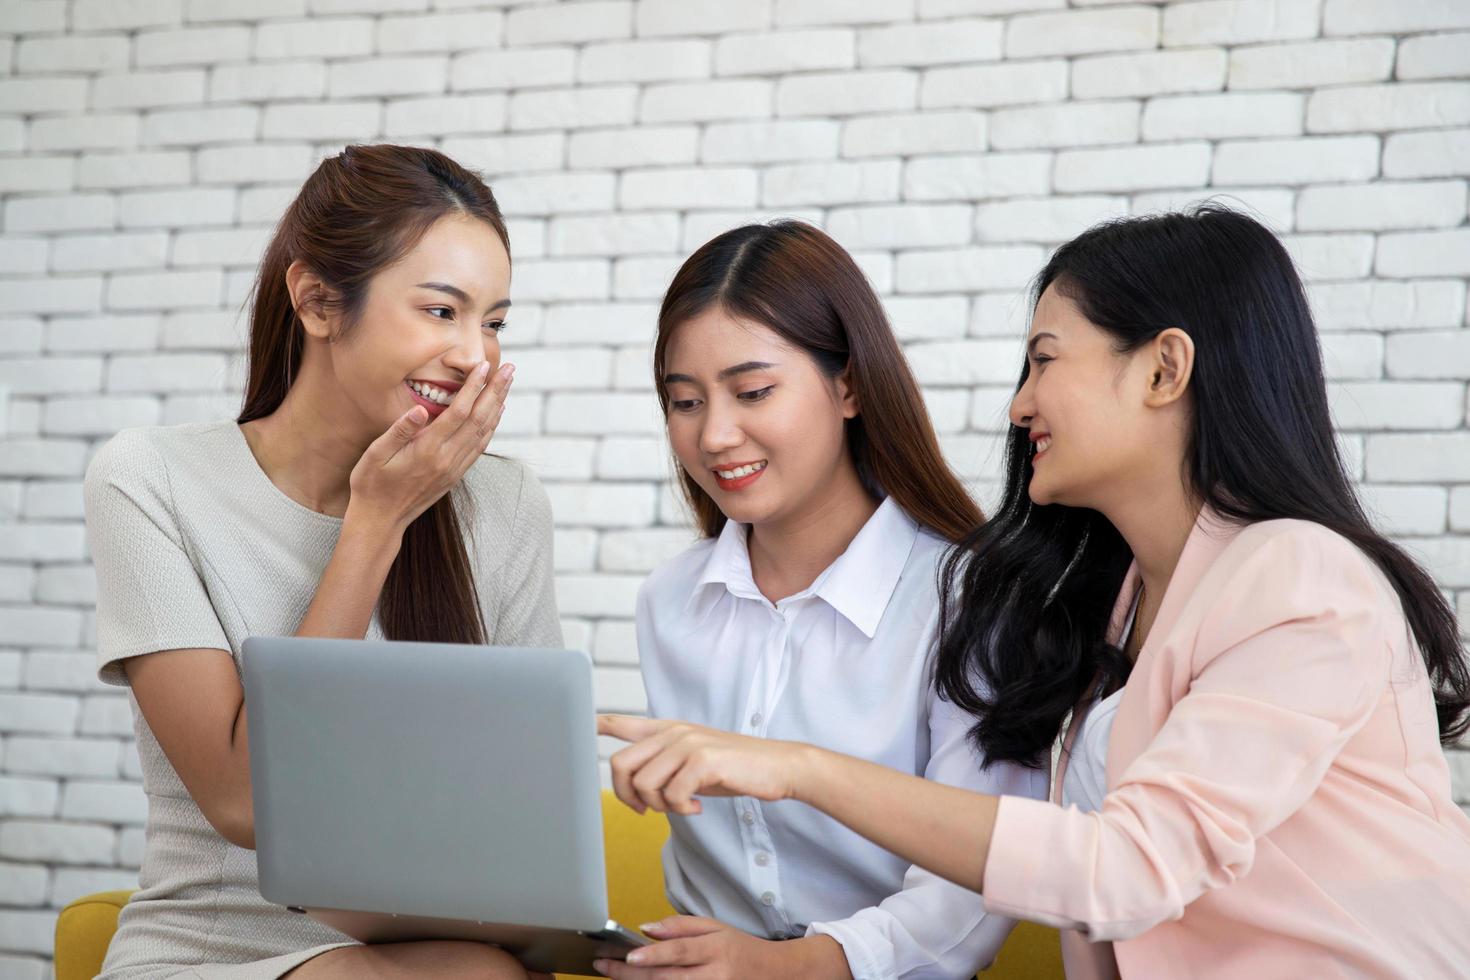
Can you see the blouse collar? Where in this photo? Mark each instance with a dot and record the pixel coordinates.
(858, 584)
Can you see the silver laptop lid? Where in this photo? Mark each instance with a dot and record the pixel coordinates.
(426, 779)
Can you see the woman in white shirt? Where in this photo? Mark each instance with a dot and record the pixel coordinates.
(808, 612)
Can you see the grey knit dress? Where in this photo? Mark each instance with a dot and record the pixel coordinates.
(195, 547)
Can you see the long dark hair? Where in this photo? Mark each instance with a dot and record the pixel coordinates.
(796, 280)
(1026, 599)
(359, 212)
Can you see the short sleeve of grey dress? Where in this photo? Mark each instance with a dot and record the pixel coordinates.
(195, 547)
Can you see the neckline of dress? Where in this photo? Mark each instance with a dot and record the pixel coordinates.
(256, 473)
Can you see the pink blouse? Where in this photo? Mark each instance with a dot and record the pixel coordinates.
(1278, 802)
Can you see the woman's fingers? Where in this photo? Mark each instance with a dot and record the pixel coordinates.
(693, 776)
(725, 764)
(398, 436)
(453, 428)
(467, 442)
(439, 431)
(627, 763)
(420, 458)
(670, 763)
(679, 926)
(654, 774)
(489, 406)
(630, 728)
(464, 429)
(674, 952)
(674, 959)
(622, 780)
(462, 405)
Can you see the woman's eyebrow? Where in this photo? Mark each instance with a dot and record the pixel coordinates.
(460, 294)
(444, 287)
(726, 374)
(743, 368)
(1031, 344)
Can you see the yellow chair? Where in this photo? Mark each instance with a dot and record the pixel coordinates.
(83, 930)
(635, 888)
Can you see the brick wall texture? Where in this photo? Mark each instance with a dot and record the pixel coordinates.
(147, 147)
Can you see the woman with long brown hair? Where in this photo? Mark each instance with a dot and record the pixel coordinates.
(808, 612)
(351, 498)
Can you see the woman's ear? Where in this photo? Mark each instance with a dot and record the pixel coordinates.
(308, 295)
(847, 397)
(1171, 364)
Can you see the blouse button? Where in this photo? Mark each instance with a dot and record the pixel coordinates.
(768, 899)
(747, 818)
(762, 858)
(756, 719)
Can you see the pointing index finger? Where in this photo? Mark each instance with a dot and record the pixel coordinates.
(629, 728)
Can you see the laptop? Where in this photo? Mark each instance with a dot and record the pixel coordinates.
(411, 791)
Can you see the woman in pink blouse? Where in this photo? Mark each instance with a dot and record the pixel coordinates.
(1180, 553)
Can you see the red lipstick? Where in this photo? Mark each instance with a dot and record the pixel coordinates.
(739, 482)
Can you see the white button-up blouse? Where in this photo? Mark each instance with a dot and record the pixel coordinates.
(844, 664)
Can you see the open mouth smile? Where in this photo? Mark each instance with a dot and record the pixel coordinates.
(433, 395)
(1040, 443)
(740, 475)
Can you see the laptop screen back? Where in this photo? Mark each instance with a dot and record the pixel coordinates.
(426, 779)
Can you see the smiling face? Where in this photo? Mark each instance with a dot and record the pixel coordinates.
(753, 420)
(427, 321)
(1087, 410)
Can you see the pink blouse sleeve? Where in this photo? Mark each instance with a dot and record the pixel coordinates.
(1289, 663)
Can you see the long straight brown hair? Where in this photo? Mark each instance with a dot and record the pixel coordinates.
(358, 213)
(794, 279)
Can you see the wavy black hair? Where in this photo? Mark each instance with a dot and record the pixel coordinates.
(1026, 598)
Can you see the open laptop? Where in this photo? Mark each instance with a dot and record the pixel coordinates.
(432, 791)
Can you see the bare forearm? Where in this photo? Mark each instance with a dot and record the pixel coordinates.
(940, 828)
(192, 701)
(239, 827)
(820, 956)
(353, 580)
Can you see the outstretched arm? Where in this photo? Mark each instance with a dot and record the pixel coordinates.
(940, 828)
(1294, 657)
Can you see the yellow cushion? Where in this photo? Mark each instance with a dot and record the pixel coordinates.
(635, 885)
(1031, 951)
(635, 876)
(632, 847)
(83, 930)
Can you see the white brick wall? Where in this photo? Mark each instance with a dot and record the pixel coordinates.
(147, 147)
